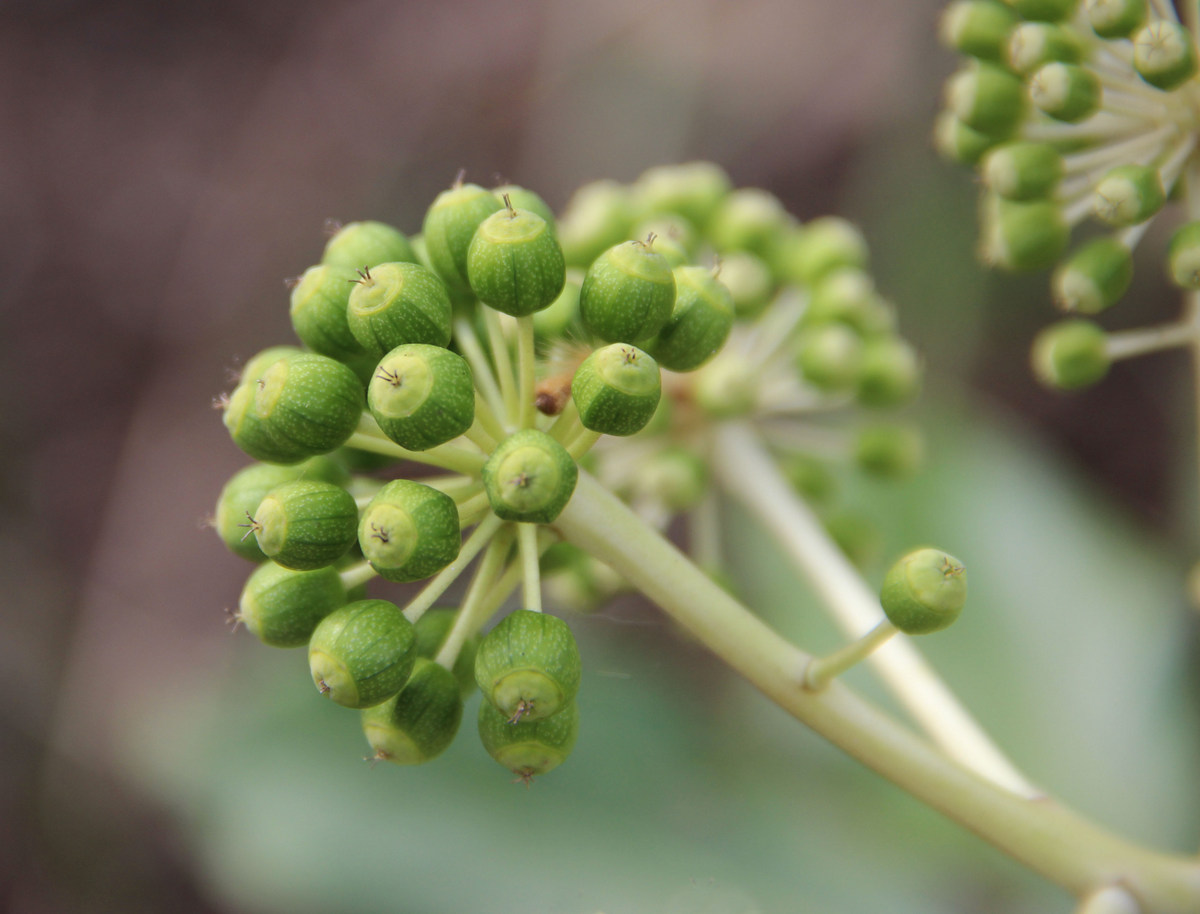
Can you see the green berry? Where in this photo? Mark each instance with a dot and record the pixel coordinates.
(847, 296)
(241, 496)
(1183, 256)
(522, 198)
(318, 312)
(362, 654)
(829, 357)
(364, 244)
(409, 531)
(528, 666)
(810, 476)
(822, 246)
(957, 142)
(1070, 355)
(422, 395)
(674, 238)
(675, 477)
(987, 98)
(1129, 194)
(306, 524)
(1032, 45)
(598, 216)
(978, 28)
(1022, 171)
(1065, 91)
(1044, 10)
(421, 721)
(889, 373)
(1094, 277)
(301, 406)
(397, 303)
(924, 591)
(1164, 55)
(1022, 236)
(528, 748)
(617, 389)
(693, 190)
(1116, 18)
(627, 294)
(432, 629)
(450, 224)
(889, 451)
(258, 363)
(561, 317)
(726, 387)
(281, 607)
(514, 263)
(749, 281)
(748, 219)
(699, 323)
(529, 477)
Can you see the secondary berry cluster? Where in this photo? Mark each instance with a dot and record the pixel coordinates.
(497, 347)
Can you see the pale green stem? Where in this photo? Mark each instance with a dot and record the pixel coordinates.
(362, 501)
(488, 419)
(748, 473)
(1164, 9)
(527, 366)
(1191, 16)
(567, 425)
(503, 360)
(704, 532)
(527, 541)
(823, 670)
(1038, 832)
(479, 538)
(582, 443)
(470, 616)
(1126, 344)
(473, 509)
(485, 380)
(1105, 157)
(479, 437)
(369, 437)
(357, 574)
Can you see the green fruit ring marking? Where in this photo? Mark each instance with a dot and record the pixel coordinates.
(406, 382)
(393, 535)
(528, 479)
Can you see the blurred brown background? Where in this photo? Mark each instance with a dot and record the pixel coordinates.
(164, 166)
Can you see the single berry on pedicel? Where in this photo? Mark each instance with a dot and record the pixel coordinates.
(528, 747)
(617, 389)
(364, 244)
(514, 263)
(450, 224)
(528, 666)
(318, 312)
(281, 607)
(627, 293)
(362, 654)
(699, 324)
(409, 531)
(305, 524)
(395, 303)
(924, 591)
(529, 477)
(422, 395)
(420, 722)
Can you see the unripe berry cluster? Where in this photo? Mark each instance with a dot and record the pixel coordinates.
(1075, 111)
(498, 346)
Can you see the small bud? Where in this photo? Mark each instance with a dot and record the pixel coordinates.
(1022, 236)
(596, 217)
(748, 219)
(846, 296)
(820, 247)
(957, 142)
(1044, 10)
(829, 357)
(1116, 18)
(523, 198)
(1094, 277)
(281, 607)
(810, 477)
(362, 654)
(675, 477)
(1070, 355)
(562, 316)
(693, 190)
(396, 303)
(528, 748)
(514, 263)
(889, 373)
(529, 477)
(247, 488)
(1163, 54)
(318, 312)
(1022, 171)
(528, 666)
(1129, 194)
(978, 28)
(409, 531)
(449, 226)
(699, 323)
(987, 98)
(301, 406)
(306, 524)
(1183, 256)
(1032, 45)
(924, 591)
(1065, 91)
(365, 244)
(432, 629)
(617, 389)
(889, 451)
(727, 386)
(749, 282)
(627, 294)
(421, 721)
(422, 396)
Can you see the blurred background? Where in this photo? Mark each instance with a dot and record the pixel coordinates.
(164, 166)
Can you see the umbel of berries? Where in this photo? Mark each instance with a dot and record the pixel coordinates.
(528, 666)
